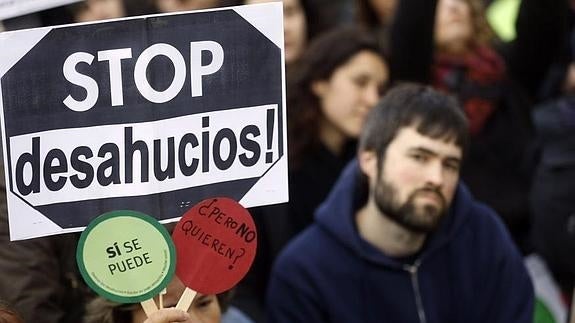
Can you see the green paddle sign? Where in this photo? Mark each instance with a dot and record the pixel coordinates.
(126, 256)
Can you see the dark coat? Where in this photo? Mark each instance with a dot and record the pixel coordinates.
(553, 194)
(468, 271)
(309, 184)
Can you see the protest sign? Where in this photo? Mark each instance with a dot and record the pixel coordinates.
(150, 114)
(15, 8)
(126, 256)
(216, 244)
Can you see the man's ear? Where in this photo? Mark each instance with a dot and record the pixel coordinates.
(368, 163)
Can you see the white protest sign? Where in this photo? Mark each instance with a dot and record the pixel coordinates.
(151, 114)
(15, 8)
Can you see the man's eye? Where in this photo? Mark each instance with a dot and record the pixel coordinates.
(419, 157)
(452, 167)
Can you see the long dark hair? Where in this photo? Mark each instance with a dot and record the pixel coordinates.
(366, 16)
(322, 57)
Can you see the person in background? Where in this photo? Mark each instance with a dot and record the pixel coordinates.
(338, 81)
(376, 16)
(204, 308)
(552, 199)
(304, 20)
(419, 36)
(298, 32)
(448, 44)
(168, 315)
(330, 90)
(295, 27)
(399, 238)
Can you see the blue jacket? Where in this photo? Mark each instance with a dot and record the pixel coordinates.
(468, 271)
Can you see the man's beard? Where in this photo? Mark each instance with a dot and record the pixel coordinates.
(418, 219)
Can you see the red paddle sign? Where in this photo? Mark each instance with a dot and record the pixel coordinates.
(215, 244)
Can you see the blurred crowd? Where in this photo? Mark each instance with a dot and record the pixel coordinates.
(509, 63)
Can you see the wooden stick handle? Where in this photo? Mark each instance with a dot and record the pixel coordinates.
(186, 299)
(162, 293)
(149, 306)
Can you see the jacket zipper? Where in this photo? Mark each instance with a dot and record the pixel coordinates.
(412, 269)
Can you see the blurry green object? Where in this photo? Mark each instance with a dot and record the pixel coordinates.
(543, 314)
(501, 15)
(549, 307)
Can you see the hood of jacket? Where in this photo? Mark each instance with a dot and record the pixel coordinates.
(336, 215)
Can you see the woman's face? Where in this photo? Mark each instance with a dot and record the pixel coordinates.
(350, 93)
(453, 25)
(100, 9)
(204, 308)
(295, 28)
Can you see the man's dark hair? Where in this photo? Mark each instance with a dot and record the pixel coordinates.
(432, 113)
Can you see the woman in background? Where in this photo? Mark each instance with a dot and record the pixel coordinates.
(449, 44)
(337, 80)
(204, 308)
(295, 27)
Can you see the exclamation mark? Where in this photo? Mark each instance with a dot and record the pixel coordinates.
(270, 135)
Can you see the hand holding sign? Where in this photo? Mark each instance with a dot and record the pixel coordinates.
(126, 257)
(215, 244)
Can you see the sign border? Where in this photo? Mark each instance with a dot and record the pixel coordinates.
(37, 220)
(126, 299)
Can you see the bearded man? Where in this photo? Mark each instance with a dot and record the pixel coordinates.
(400, 238)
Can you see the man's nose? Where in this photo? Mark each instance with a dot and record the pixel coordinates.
(434, 174)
